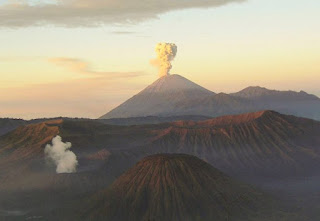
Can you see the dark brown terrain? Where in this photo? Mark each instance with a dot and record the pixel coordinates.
(180, 187)
(264, 148)
(265, 143)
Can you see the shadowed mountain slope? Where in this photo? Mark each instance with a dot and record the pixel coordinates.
(263, 143)
(26, 143)
(179, 187)
(7, 124)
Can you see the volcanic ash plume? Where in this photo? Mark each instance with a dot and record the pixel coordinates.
(166, 52)
(65, 160)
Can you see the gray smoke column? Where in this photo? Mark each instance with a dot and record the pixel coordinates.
(166, 52)
(65, 160)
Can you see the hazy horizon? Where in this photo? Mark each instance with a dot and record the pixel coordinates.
(58, 65)
(70, 114)
(173, 110)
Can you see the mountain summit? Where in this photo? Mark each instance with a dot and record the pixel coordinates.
(260, 93)
(178, 187)
(174, 83)
(174, 95)
(162, 98)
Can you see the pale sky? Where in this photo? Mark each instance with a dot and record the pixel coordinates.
(85, 58)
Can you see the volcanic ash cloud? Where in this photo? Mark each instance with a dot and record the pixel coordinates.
(166, 52)
(65, 160)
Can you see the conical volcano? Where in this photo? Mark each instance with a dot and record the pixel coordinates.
(177, 187)
(174, 95)
(165, 97)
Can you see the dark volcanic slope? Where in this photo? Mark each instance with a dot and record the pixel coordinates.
(23, 163)
(26, 143)
(178, 187)
(30, 187)
(264, 143)
(249, 146)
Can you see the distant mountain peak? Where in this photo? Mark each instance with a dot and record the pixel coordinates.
(257, 91)
(174, 95)
(162, 98)
(171, 83)
(254, 91)
(236, 119)
(257, 88)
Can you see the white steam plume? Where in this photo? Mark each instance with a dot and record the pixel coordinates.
(166, 52)
(65, 160)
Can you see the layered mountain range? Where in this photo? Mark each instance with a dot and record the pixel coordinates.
(170, 118)
(249, 147)
(261, 143)
(174, 95)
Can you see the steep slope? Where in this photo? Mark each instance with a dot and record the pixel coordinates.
(160, 98)
(25, 144)
(178, 187)
(263, 143)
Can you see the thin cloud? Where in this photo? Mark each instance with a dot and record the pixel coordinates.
(79, 13)
(123, 32)
(83, 67)
(89, 97)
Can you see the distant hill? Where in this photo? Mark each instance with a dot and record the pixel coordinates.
(179, 187)
(10, 124)
(287, 102)
(259, 93)
(175, 95)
